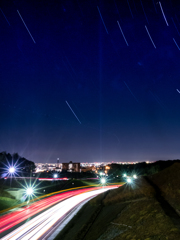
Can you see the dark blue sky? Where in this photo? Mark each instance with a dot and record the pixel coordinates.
(90, 80)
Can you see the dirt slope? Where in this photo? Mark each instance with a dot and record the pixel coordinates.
(130, 212)
(168, 181)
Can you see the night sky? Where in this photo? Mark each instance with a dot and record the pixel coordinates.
(90, 81)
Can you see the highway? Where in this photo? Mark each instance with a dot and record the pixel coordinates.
(43, 222)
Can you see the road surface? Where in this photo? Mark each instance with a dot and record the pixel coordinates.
(39, 225)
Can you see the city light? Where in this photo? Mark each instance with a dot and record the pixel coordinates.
(55, 175)
(103, 180)
(12, 170)
(29, 191)
(124, 175)
(135, 176)
(129, 180)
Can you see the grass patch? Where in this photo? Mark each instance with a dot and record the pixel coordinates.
(6, 200)
(7, 203)
(3, 193)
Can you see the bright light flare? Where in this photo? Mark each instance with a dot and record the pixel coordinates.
(12, 170)
(103, 180)
(124, 175)
(134, 176)
(129, 180)
(55, 175)
(29, 191)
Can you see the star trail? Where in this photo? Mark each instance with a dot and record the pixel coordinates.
(90, 81)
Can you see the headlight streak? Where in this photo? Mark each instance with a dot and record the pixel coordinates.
(9, 220)
(60, 225)
(44, 221)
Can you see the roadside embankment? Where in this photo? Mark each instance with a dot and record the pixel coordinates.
(168, 182)
(129, 212)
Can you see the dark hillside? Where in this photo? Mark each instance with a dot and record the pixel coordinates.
(130, 212)
(168, 181)
(139, 189)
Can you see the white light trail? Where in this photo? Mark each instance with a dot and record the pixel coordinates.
(39, 225)
(122, 33)
(163, 14)
(73, 112)
(176, 44)
(130, 91)
(150, 36)
(154, 6)
(130, 9)
(175, 26)
(102, 20)
(144, 12)
(178, 90)
(5, 17)
(26, 26)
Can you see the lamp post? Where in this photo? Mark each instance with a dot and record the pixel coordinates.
(29, 193)
(129, 180)
(11, 171)
(103, 181)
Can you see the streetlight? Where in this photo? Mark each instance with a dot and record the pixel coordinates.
(11, 170)
(124, 175)
(129, 180)
(55, 175)
(103, 180)
(135, 176)
(29, 191)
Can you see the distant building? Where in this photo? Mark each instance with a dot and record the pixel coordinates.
(71, 167)
(57, 163)
(86, 169)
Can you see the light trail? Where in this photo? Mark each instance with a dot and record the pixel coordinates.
(163, 14)
(102, 20)
(5, 17)
(158, 100)
(154, 6)
(73, 112)
(176, 44)
(122, 33)
(39, 225)
(61, 224)
(26, 26)
(175, 26)
(150, 37)
(130, 91)
(144, 12)
(130, 9)
(10, 220)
